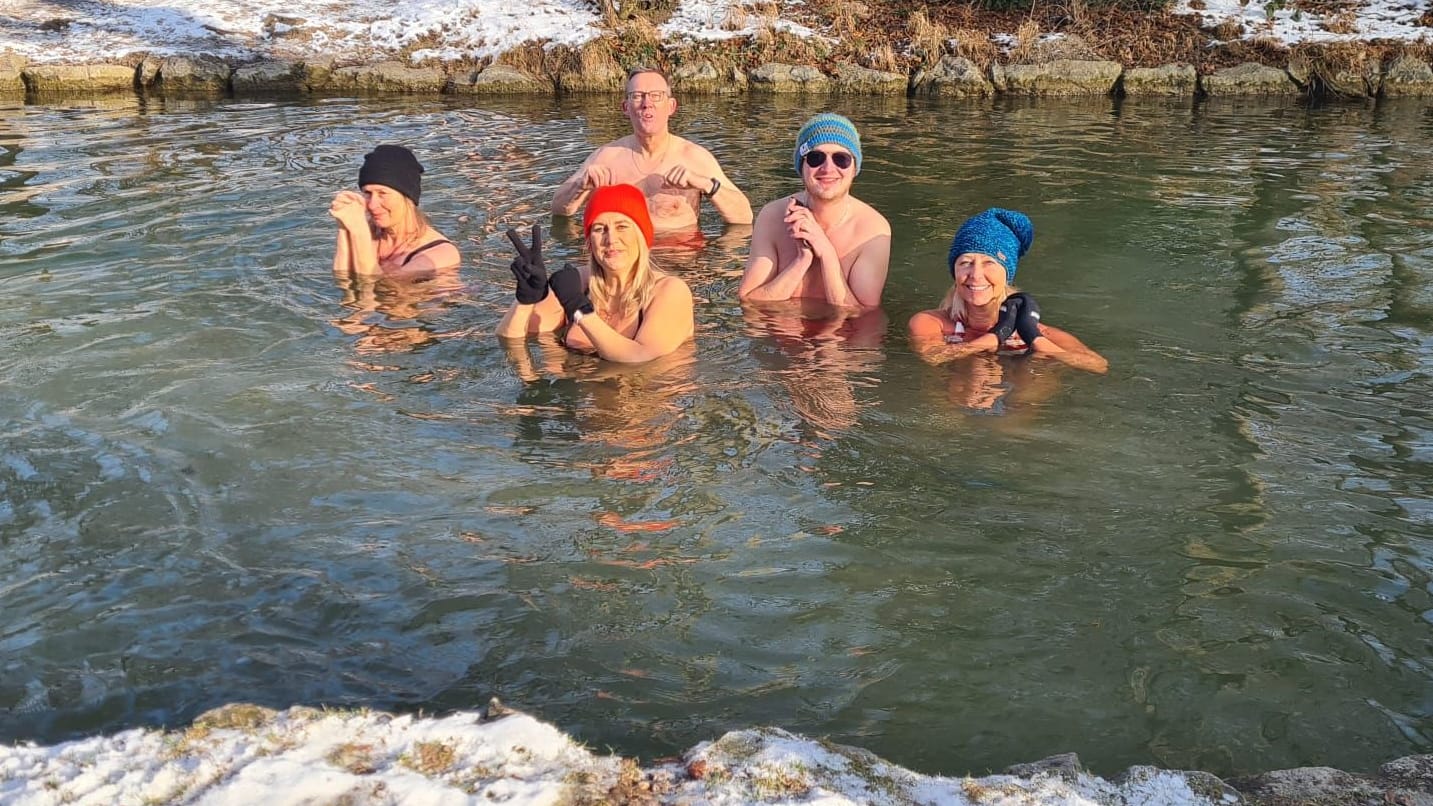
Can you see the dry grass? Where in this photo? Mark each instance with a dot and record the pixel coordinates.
(238, 716)
(638, 43)
(429, 758)
(1229, 30)
(883, 57)
(354, 757)
(532, 59)
(976, 46)
(1341, 68)
(1027, 39)
(770, 45)
(1343, 22)
(847, 17)
(927, 38)
(735, 18)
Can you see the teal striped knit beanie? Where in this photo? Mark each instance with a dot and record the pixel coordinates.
(1005, 235)
(828, 127)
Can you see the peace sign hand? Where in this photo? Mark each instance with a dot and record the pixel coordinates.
(527, 267)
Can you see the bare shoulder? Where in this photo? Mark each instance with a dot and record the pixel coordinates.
(870, 219)
(776, 207)
(609, 152)
(928, 323)
(672, 286)
(693, 151)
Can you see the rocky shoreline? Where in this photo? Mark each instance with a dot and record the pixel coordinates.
(244, 753)
(951, 76)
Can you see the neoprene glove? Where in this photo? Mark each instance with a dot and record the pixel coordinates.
(1009, 312)
(527, 267)
(1027, 322)
(566, 284)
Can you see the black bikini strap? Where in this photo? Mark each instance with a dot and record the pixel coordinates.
(428, 245)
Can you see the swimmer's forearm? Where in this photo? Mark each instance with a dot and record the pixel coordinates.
(342, 260)
(782, 286)
(838, 293)
(613, 346)
(363, 252)
(569, 198)
(515, 323)
(732, 204)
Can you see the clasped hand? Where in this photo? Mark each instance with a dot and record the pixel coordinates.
(349, 208)
(680, 177)
(533, 281)
(802, 227)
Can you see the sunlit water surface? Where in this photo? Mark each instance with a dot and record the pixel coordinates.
(221, 483)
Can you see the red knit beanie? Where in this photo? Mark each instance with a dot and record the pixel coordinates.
(624, 199)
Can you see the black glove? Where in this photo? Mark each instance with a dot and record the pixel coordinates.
(528, 269)
(1009, 312)
(566, 283)
(1027, 322)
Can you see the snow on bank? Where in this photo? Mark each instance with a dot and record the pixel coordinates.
(372, 30)
(1279, 21)
(243, 754)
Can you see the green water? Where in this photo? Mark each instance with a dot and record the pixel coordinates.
(219, 483)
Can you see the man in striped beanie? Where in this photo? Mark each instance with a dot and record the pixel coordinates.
(821, 243)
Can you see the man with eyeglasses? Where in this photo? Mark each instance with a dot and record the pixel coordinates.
(821, 243)
(673, 173)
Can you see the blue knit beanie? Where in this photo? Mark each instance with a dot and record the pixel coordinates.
(1005, 235)
(828, 127)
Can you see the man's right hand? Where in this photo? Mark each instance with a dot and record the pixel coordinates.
(596, 176)
(528, 269)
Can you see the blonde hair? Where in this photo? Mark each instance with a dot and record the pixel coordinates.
(637, 296)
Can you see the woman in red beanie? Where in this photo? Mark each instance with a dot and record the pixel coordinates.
(630, 312)
(381, 232)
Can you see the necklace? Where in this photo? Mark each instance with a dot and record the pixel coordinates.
(658, 159)
(845, 214)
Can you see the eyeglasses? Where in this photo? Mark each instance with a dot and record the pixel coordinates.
(655, 96)
(815, 159)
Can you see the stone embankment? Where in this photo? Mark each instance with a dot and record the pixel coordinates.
(951, 76)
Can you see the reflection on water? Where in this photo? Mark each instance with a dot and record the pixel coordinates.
(225, 477)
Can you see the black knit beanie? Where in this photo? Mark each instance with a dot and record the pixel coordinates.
(395, 167)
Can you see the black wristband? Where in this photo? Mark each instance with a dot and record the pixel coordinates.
(716, 185)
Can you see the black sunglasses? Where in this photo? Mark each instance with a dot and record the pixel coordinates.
(815, 159)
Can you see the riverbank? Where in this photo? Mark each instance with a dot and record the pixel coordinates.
(1194, 48)
(246, 754)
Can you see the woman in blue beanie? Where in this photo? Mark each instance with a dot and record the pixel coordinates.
(982, 312)
(381, 232)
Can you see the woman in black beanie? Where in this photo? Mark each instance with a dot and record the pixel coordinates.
(381, 231)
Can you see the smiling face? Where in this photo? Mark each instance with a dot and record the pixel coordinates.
(388, 208)
(649, 104)
(979, 279)
(828, 181)
(615, 242)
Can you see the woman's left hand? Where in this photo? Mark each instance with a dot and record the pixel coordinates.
(350, 209)
(1027, 320)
